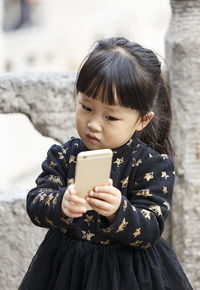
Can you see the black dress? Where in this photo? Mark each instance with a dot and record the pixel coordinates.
(89, 254)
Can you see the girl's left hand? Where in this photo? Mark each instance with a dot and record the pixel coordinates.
(105, 200)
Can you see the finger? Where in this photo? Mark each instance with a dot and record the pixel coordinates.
(107, 189)
(110, 182)
(98, 203)
(72, 197)
(101, 211)
(71, 189)
(102, 196)
(72, 209)
(76, 199)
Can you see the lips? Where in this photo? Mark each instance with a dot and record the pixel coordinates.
(92, 138)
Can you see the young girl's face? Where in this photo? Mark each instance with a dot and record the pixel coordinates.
(104, 126)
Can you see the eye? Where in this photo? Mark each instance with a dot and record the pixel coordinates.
(110, 118)
(86, 108)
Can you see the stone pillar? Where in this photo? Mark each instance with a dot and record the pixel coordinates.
(183, 58)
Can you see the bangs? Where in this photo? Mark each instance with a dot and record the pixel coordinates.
(113, 78)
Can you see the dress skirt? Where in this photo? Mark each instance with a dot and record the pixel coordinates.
(63, 263)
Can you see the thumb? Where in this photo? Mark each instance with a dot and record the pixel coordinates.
(110, 182)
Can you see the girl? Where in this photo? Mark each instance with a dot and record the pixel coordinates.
(122, 104)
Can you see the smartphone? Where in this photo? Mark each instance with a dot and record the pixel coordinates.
(92, 169)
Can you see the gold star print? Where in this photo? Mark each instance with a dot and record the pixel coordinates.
(149, 176)
(67, 220)
(70, 181)
(55, 200)
(125, 205)
(64, 150)
(76, 144)
(167, 205)
(89, 219)
(52, 164)
(156, 209)
(136, 163)
(164, 175)
(37, 220)
(129, 142)
(164, 156)
(146, 214)
(63, 230)
(174, 172)
(119, 161)
(42, 196)
(105, 242)
(150, 155)
(107, 230)
(146, 246)
(72, 158)
(144, 192)
(136, 244)
(55, 179)
(124, 182)
(87, 235)
(43, 190)
(48, 200)
(60, 155)
(122, 226)
(48, 221)
(137, 232)
(165, 189)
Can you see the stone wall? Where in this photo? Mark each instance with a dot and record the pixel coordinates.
(47, 99)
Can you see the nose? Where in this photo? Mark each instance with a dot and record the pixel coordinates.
(94, 125)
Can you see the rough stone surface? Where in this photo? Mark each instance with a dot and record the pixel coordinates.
(46, 98)
(19, 241)
(183, 58)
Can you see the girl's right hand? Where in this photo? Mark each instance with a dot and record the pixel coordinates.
(72, 205)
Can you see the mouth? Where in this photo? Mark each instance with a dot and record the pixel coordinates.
(92, 138)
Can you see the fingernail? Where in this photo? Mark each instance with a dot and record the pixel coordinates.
(91, 193)
(96, 188)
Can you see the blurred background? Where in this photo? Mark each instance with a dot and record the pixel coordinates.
(52, 35)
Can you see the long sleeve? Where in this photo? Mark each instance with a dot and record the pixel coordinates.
(141, 216)
(44, 201)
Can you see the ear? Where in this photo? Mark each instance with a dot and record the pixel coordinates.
(142, 122)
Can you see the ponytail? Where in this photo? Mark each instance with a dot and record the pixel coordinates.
(157, 133)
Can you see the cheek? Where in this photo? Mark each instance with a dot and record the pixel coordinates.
(78, 117)
(81, 120)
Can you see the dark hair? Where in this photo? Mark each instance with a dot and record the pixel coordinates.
(119, 67)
